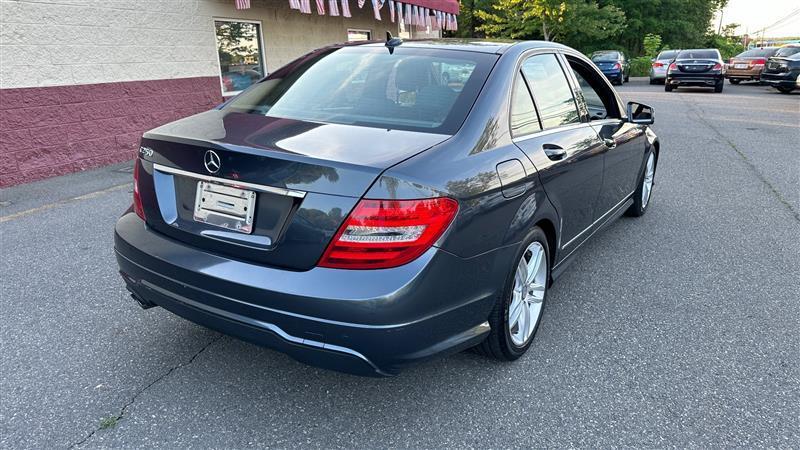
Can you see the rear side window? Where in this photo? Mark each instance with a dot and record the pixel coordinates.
(668, 54)
(698, 54)
(606, 56)
(787, 51)
(410, 89)
(551, 91)
(757, 53)
(523, 114)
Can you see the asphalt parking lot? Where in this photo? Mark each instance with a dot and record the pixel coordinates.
(681, 328)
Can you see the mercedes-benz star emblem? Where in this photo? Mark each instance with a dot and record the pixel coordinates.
(212, 162)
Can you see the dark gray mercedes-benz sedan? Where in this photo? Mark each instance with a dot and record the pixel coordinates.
(370, 206)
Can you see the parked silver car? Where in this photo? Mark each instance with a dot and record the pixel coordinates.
(658, 70)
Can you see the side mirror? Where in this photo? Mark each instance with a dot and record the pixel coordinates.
(640, 114)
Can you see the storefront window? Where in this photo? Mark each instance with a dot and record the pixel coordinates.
(241, 59)
(358, 35)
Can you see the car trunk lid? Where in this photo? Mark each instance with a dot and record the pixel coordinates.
(304, 178)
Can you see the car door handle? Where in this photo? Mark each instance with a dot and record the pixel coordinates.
(610, 143)
(554, 152)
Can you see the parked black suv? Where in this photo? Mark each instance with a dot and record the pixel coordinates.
(698, 67)
(782, 70)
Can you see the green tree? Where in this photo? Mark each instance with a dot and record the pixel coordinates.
(577, 23)
(680, 23)
(468, 21)
(652, 45)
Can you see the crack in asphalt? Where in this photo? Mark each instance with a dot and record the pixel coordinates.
(697, 109)
(121, 414)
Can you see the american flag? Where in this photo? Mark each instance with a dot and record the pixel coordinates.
(376, 8)
(321, 7)
(346, 8)
(294, 4)
(399, 7)
(333, 7)
(391, 10)
(361, 3)
(242, 4)
(305, 6)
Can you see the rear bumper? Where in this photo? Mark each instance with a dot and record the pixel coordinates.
(743, 74)
(362, 322)
(613, 74)
(694, 80)
(787, 79)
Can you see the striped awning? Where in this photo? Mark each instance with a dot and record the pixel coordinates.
(435, 8)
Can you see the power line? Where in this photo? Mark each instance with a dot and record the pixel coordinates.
(779, 21)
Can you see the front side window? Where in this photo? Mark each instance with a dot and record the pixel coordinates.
(241, 60)
(551, 91)
(410, 89)
(523, 114)
(599, 98)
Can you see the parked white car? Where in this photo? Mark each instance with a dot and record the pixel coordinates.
(658, 70)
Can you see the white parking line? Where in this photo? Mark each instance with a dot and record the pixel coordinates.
(90, 195)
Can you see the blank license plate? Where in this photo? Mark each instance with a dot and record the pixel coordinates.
(225, 206)
(740, 66)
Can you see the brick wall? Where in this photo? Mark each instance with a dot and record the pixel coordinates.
(48, 131)
(80, 80)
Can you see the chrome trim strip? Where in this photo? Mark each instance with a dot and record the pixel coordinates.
(548, 131)
(225, 181)
(613, 208)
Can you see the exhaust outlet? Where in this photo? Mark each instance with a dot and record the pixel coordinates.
(142, 302)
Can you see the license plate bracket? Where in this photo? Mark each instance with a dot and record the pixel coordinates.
(225, 206)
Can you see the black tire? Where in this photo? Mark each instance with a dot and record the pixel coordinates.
(668, 87)
(718, 87)
(498, 344)
(637, 209)
(735, 80)
(784, 89)
(652, 81)
(627, 78)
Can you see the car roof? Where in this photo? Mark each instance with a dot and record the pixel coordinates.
(472, 45)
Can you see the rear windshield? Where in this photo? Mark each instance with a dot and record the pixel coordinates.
(667, 54)
(605, 56)
(787, 51)
(757, 53)
(411, 89)
(698, 54)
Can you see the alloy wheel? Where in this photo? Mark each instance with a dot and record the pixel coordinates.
(647, 182)
(527, 297)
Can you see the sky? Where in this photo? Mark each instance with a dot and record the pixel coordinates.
(753, 15)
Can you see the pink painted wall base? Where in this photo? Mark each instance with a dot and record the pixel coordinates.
(51, 131)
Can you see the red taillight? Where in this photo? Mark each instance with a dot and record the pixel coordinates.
(657, 65)
(379, 234)
(717, 66)
(673, 66)
(758, 62)
(617, 66)
(137, 199)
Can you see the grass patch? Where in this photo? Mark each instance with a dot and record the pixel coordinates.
(108, 422)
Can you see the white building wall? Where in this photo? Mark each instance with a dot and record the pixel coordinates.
(67, 42)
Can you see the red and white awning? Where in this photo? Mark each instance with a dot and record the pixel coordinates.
(422, 14)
